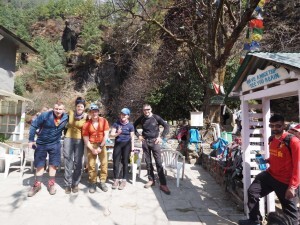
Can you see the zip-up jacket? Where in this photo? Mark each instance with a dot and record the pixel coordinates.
(48, 132)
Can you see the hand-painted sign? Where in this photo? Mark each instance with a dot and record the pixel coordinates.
(217, 100)
(264, 77)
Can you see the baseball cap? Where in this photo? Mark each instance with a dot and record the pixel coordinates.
(94, 107)
(125, 111)
(296, 128)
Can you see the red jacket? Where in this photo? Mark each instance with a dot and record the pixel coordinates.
(285, 164)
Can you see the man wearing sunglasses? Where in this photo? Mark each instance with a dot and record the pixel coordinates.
(151, 140)
(282, 176)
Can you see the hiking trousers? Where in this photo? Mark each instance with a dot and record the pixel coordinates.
(151, 149)
(263, 185)
(121, 155)
(92, 165)
(73, 153)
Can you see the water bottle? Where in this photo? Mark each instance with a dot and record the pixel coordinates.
(11, 151)
(260, 161)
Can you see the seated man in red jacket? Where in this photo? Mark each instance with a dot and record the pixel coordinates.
(282, 176)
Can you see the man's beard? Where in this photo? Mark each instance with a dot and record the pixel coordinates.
(277, 132)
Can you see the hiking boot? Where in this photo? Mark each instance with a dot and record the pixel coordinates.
(92, 188)
(51, 188)
(122, 185)
(103, 187)
(34, 189)
(115, 184)
(75, 189)
(248, 222)
(165, 189)
(150, 183)
(68, 190)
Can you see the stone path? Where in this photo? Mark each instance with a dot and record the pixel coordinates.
(199, 200)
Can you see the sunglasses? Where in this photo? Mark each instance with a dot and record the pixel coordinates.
(275, 125)
(146, 109)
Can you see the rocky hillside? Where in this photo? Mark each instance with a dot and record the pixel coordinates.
(120, 64)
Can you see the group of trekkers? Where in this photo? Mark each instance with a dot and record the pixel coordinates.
(92, 131)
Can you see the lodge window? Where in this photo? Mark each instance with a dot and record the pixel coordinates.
(10, 114)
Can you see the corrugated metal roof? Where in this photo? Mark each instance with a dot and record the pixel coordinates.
(23, 46)
(292, 59)
(259, 60)
(11, 96)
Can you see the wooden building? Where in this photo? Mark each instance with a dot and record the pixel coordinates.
(12, 106)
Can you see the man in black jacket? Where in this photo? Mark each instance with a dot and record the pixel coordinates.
(151, 140)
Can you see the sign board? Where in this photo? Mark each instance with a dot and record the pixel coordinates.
(217, 100)
(264, 77)
(196, 119)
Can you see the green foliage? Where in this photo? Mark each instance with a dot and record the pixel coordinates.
(2, 138)
(19, 87)
(58, 8)
(231, 69)
(15, 20)
(49, 69)
(174, 100)
(92, 95)
(91, 37)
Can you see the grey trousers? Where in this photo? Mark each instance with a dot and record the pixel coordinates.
(73, 152)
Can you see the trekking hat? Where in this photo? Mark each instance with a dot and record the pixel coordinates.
(296, 128)
(125, 111)
(94, 107)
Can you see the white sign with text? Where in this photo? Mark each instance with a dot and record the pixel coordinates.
(264, 77)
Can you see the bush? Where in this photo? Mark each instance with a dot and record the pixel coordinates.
(49, 70)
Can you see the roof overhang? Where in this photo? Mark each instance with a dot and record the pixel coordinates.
(8, 96)
(21, 45)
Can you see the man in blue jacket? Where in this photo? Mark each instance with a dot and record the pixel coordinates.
(48, 127)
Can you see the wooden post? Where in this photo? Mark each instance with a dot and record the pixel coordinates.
(246, 152)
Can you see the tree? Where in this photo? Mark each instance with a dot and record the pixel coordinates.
(204, 31)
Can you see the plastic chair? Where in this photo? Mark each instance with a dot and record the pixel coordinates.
(11, 155)
(28, 156)
(173, 160)
(135, 164)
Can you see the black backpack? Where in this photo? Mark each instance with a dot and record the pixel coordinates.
(275, 218)
(285, 140)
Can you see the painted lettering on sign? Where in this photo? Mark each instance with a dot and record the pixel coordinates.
(264, 77)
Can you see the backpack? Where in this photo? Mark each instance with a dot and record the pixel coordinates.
(194, 138)
(285, 140)
(275, 218)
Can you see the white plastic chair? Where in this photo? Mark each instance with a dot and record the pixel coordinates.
(28, 156)
(136, 163)
(173, 160)
(11, 155)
